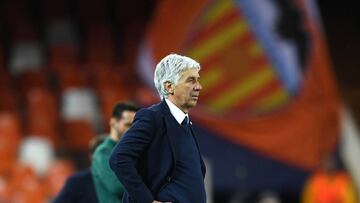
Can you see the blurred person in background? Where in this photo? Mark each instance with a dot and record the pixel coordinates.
(108, 188)
(158, 159)
(80, 187)
(329, 185)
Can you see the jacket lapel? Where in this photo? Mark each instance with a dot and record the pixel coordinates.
(203, 168)
(172, 130)
(169, 127)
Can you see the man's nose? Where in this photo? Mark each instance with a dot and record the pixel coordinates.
(198, 86)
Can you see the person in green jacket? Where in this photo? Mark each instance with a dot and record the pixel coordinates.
(107, 186)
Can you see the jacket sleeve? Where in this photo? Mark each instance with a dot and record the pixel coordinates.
(101, 168)
(126, 153)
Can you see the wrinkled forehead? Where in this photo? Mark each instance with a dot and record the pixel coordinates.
(190, 73)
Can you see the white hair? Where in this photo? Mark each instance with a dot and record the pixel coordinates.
(169, 70)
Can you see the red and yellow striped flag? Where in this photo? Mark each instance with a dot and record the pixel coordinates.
(264, 87)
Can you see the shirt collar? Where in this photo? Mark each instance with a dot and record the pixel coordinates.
(176, 112)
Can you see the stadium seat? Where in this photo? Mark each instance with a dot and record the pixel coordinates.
(57, 174)
(10, 135)
(42, 115)
(24, 186)
(77, 134)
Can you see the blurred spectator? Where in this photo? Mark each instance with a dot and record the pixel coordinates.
(107, 185)
(329, 185)
(71, 193)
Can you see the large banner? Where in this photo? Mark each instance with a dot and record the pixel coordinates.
(266, 76)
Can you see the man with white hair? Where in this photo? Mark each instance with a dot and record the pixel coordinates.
(158, 159)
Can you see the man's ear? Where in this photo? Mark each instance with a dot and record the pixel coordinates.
(112, 122)
(169, 87)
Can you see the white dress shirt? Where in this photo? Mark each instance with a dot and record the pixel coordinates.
(176, 112)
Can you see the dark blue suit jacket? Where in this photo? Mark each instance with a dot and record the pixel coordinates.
(145, 160)
(77, 189)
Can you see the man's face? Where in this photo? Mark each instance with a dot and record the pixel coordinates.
(186, 92)
(124, 123)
